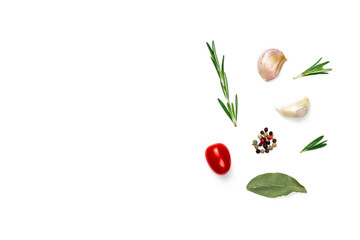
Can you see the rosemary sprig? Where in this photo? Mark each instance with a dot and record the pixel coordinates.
(315, 144)
(315, 69)
(229, 108)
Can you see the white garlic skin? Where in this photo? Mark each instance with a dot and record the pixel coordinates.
(270, 63)
(297, 109)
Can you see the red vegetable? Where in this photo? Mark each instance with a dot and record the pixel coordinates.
(218, 158)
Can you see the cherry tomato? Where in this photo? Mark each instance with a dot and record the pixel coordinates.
(218, 158)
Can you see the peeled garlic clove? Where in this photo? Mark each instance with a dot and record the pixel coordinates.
(296, 110)
(270, 64)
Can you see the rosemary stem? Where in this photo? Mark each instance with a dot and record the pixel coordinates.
(298, 76)
(229, 108)
(231, 113)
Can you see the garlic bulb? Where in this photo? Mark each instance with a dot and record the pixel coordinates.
(296, 110)
(270, 64)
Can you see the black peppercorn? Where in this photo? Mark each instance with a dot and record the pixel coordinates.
(257, 150)
(270, 133)
(260, 144)
(265, 146)
(268, 142)
(262, 132)
(267, 150)
(266, 129)
(274, 140)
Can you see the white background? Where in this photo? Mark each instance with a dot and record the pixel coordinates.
(107, 107)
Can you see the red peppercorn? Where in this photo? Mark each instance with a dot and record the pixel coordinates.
(263, 141)
(270, 137)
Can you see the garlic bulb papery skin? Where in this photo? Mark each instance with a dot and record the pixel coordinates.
(295, 110)
(270, 64)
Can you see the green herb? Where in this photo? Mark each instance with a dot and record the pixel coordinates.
(315, 69)
(315, 144)
(273, 185)
(229, 108)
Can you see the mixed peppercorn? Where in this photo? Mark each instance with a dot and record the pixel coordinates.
(265, 139)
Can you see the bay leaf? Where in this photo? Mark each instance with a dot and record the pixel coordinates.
(273, 185)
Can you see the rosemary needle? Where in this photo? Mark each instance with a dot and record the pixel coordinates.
(315, 69)
(315, 144)
(229, 108)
